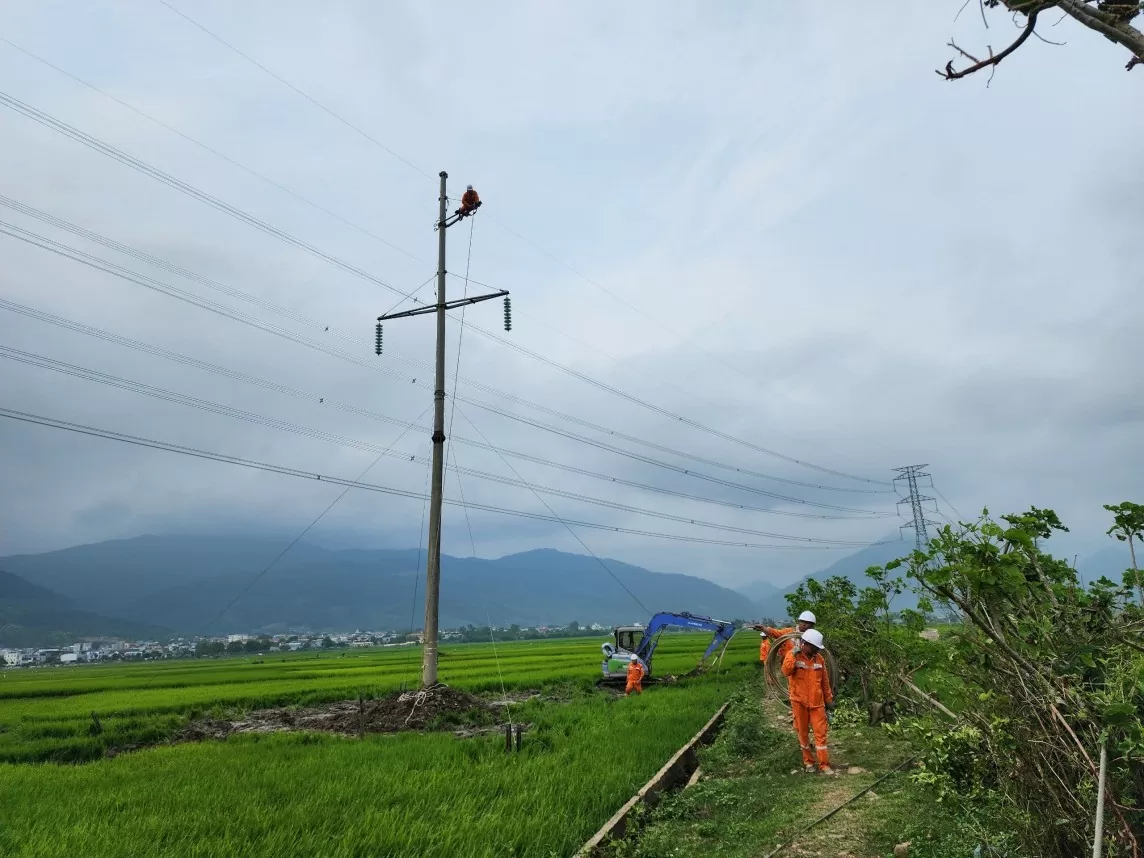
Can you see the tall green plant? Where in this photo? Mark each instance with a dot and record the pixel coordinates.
(1127, 526)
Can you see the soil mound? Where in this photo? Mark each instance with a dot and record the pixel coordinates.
(440, 708)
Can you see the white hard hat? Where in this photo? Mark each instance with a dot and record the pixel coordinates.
(634, 658)
(813, 637)
(807, 617)
(762, 634)
(468, 187)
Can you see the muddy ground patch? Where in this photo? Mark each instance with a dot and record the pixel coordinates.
(441, 708)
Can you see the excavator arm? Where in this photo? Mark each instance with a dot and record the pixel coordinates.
(645, 650)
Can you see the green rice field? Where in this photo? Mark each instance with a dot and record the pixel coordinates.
(424, 794)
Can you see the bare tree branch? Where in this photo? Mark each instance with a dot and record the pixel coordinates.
(1049, 41)
(994, 59)
(1113, 21)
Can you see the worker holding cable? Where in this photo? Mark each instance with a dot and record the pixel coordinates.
(811, 697)
(806, 620)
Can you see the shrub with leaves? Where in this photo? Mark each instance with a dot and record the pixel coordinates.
(873, 645)
(1057, 670)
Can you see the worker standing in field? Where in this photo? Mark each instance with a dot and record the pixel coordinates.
(635, 676)
(806, 620)
(811, 697)
(764, 648)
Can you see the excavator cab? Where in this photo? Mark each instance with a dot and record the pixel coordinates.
(628, 638)
(618, 655)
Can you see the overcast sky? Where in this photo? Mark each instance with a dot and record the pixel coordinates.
(835, 254)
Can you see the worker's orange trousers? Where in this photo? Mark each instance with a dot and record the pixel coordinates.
(805, 718)
(633, 686)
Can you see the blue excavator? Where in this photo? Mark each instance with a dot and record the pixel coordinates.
(641, 642)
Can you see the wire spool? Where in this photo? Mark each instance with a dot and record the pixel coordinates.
(777, 683)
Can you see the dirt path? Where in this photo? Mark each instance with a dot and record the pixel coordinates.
(753, 795)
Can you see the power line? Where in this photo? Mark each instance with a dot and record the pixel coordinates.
(680, 419)
(699, 475)
(64, 249)
(284, 470)
(307, 529)
(532, 318)
(284, 426)
(236, 375)
(461, 342)
(189, 190)
(508, 229)
(210, 149)
(195, 193)
(287, 83)
(575, 535)
(164, 288)
(417, 573)
(944, 498)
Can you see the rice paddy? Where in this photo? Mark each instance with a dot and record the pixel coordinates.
(425, 794)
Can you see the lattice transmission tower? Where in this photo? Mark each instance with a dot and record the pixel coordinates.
(915, 499)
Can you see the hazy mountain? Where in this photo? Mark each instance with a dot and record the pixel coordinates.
(105, 576)
(1110, 562)
(854, 567)
(31, 615)
(758, 591)
(184, 583)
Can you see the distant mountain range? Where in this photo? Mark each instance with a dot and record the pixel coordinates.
(140, 587)
(36, 616)
(852, 566)
(1111, 562)
(758, 591)
(184, 583)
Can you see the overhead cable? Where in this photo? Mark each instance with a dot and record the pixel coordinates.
(511, 231)
(26, 417)
(189, 298)
(176, 357)
(230, 291)
(533, 319)
(89, 374)
(104, 148)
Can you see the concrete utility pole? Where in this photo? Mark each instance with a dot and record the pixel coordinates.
(433, 568)
(433, 565)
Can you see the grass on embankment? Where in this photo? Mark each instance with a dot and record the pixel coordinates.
(751, 797)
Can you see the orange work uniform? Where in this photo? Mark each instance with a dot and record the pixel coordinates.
(777, 633)
(764, 649)
(635, 678)
(469, 200)
(810, 693)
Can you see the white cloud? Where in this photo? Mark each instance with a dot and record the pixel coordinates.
(898, 269)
